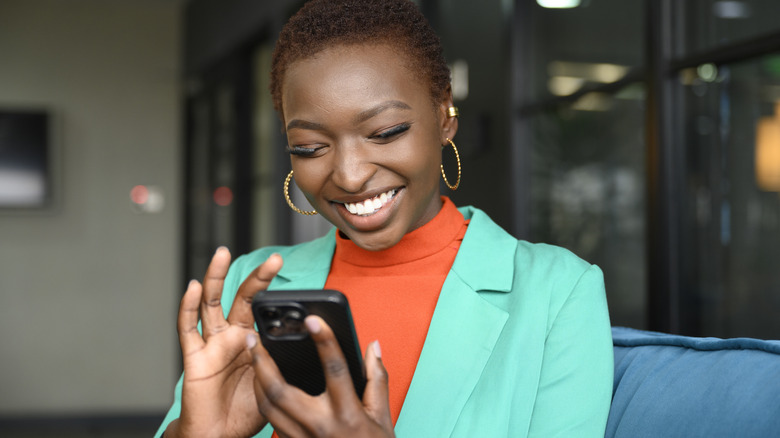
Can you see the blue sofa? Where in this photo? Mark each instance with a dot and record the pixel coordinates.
(676, 386)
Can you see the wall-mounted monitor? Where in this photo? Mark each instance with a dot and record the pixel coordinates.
(25, 158)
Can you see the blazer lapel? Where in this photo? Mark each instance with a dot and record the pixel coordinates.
(307, 265)
(460, 340)
(463, 331)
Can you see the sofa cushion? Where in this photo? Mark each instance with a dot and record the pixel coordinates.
(677, 386)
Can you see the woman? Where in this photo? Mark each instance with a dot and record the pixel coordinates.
(482, 334)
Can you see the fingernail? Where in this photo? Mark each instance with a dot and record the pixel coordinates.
(191, 283)
(377, 349)
(220, 249)
(312, 324)
(251, 341)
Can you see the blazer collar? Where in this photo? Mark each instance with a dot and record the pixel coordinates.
(486, 257)
(306, 266)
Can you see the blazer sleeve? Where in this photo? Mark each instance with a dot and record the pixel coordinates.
(575, 384)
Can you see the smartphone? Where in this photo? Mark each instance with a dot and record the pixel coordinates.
(279, 315)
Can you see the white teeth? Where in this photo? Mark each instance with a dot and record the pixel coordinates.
(368, 207)
(371, 205)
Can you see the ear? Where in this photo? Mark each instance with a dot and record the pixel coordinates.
(448, 125)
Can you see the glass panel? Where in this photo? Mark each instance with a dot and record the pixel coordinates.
(570, 49)
(732, 132)
(223, 166)
(709, 24)
(480, 82)
(199, 187)
(588, 191)
(264, 231)
(211, 151)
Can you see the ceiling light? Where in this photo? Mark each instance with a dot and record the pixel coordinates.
(595, 72)
(593, 102)
(731, 9)
(564, 85)
(559, 4)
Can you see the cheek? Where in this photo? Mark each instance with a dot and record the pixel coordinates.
(308, 177)
(424, 164)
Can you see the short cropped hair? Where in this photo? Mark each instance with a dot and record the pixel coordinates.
(320, 24)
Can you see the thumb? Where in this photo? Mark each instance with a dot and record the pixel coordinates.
(375, 397)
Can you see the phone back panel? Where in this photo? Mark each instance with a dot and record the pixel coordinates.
(296, 356)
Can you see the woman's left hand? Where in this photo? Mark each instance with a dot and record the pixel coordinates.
(338, 412)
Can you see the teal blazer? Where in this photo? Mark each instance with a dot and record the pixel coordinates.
(519, 343)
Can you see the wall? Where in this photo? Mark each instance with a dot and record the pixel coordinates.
(89, 288)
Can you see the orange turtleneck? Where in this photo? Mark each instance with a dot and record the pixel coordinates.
(392, 293)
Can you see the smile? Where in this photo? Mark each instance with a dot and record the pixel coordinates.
(371, 205)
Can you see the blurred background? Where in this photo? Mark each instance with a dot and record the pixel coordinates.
(136, 136)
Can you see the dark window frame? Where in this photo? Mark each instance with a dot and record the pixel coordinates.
(670, 308)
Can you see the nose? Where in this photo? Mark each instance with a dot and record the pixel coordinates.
(352, 168)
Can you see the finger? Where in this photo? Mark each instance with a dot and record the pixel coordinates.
(338, 382)
(259, 279)
(187, 323)
(272, 392)
(212, 315)
(376, 395)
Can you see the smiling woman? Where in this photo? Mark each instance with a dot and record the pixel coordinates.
(482, 334)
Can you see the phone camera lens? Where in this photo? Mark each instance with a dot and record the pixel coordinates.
(274, 327)
(271, 313)
(293, 315)
(293, 320)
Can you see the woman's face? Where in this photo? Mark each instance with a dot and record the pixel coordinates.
(365, 141)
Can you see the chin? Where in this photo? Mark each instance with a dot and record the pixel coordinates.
(375, 246)
(379, 242)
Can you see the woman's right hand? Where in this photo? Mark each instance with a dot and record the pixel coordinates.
(218, 397)
(337, 412)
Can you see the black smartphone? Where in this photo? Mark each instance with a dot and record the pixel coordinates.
(279, 316)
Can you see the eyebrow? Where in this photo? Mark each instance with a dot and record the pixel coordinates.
(371, 112)
(303, 124)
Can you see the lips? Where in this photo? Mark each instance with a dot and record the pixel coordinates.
(371, 205)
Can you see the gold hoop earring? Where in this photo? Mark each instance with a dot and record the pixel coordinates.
(457, 158)
(289, 201)
(453, 112)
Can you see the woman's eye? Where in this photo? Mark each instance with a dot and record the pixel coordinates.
(303, 151)
(392, 132)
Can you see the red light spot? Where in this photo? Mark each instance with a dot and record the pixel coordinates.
(139, 194)
(223, 196)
